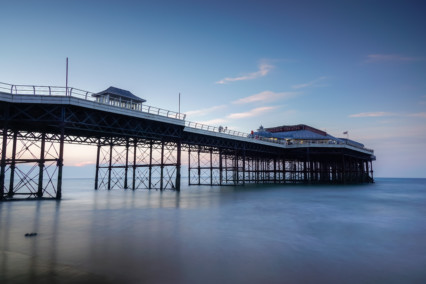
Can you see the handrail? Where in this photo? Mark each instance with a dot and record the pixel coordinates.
(82, 94)
(291, 144)
(86, 95)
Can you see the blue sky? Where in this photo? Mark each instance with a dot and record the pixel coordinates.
(357, 66)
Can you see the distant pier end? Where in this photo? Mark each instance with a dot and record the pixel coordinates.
(140, 146)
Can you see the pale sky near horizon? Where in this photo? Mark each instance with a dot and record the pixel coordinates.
(356, 66)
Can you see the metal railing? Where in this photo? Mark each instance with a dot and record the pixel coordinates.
(78, 93)
(294, 143)
(85, 95)
(216, 129)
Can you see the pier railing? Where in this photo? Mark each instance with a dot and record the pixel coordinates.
(217, 129)
(85, 95)
(289, 144)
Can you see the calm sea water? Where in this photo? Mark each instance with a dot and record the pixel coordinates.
(254, 234)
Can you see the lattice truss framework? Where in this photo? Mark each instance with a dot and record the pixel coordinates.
(30, 165)
(217, 166)
(138, 164)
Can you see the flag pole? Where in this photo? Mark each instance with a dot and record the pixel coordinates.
(179, 103)
(66, 80)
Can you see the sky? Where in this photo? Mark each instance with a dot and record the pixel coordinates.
(356, 66)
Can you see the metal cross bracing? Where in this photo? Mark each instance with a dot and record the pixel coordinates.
(138, 164)
(138, 152)
(30, 168)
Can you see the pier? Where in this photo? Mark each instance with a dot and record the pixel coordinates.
(141, 147)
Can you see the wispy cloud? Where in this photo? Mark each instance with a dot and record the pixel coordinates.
(265, 96)
(419, 114)
(82, 164)
(215, 121)
(391, 57)
(372, 114)
(204, 111)
(388, 114)
(251, 113)
(312, 83)
(264, 69)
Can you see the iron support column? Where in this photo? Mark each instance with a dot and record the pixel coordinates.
(3, 163)
(220, 167)
(110, 165)
(97, 163)
(162, 165)
(41, 166)
(135, 145)
(275, 170)
(199, 166)
(127, 163)
(178, 164)
(60, 164)
(13, 165)
(211, 166)
(189, 165)
(244, 166)
(150, 165)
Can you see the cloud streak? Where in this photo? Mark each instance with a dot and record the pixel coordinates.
(312, 83)
(215, 121)
(264, 69)
(85, 163)
(371, 58)
(372, 114)
(251, 113)
(265, 96)
(204, 111)
(387, 114)
(419, 114)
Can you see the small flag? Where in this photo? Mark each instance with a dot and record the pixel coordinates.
(345, 132)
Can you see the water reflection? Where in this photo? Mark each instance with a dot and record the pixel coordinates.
(255, 234)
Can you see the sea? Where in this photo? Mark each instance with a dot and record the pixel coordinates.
(369, 233)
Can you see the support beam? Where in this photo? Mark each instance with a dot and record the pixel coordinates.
(127, 163)
(60, 164)
(110, 165)
(135, 148)
(13, 165)
(162, 166)
(178, 165)
(41, 166)
(98, 153)
(150, 165)
(3, 163)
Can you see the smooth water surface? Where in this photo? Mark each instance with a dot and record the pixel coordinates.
(372, 233)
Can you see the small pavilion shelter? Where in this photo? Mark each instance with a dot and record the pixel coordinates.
(119, 97)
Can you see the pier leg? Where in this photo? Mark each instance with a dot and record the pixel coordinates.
(178, 164)
(127, 164)
(41, 166)
(150, 165)
(135, 148)
(199, 165)
(189, 165)
(220, 167)
(97, 163)
(244, 167)
(211, 166)
(13, 165)
(110, 165)
(60, 164)
(3, 163)
(162, 166)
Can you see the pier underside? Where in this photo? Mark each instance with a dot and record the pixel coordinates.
(139, 153)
